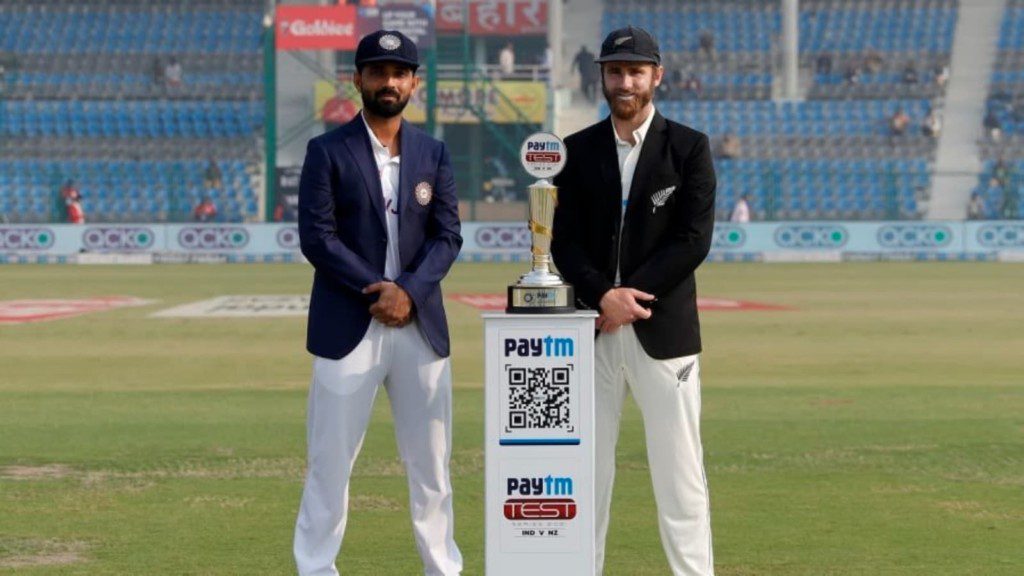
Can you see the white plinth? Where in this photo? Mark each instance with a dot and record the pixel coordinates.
(539, 454)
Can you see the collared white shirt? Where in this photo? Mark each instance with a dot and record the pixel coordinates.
(628, 154)
(388, 169)
(741, 213)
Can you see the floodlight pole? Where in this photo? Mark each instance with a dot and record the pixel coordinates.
(791, 49)
(270, 117)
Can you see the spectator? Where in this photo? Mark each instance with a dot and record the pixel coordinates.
(941, 75)
(205, 211)
(677, 78)
(693, 86)
(730, 147)
(1017, 109)
(69, 192)
(852, 73)
(584, 63)
(212, 176)
(873, 61)
(507, 60)
(898, 122)
(665, 89)
(707, 44)
(932, 125)
(993, 126)
(823, 65)
(543, 70)
(1004, 103)
(976, 207)
(1008, 211)
(741, 212)
(1001, 174)
(283, 210)
(75, 212)
(173, 73)
(500, 180)
(910, 74)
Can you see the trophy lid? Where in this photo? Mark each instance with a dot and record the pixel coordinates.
(543, 155)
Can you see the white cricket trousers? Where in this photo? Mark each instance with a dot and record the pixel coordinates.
(668, 393)
(419, 385)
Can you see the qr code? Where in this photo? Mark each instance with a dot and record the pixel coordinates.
(538, 398)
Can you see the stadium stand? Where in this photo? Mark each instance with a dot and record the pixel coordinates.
(85, 95)
(1001, 184)
(95, 103)
(833, 154)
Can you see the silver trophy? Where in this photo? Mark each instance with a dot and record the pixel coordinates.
(541, 291)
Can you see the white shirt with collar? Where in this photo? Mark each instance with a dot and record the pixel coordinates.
(628, 154)
(388, 169)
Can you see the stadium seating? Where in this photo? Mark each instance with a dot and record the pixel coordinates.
(115, 190)
(147, 118)
(129, 28)
(831, 155)
(825, 189)
(110, 76)
(825, 25)
(765, 118)
(1001, 189)
(1001, 193)
(1006, 100)
(91, 104)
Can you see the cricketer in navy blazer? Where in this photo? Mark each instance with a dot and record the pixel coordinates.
(343, 233)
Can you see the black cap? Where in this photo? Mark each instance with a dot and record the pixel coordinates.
(387, 46)
(630, 44)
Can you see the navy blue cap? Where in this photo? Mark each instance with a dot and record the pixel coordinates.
(630, 44)
(387, 46)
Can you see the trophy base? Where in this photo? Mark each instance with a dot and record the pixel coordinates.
(557, 299)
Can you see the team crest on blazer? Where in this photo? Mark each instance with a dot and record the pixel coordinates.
(424, 192)
(659, 198)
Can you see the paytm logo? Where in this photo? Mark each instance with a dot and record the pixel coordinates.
(543, 146)
(544, 152)
(546, 346)
(546, 486)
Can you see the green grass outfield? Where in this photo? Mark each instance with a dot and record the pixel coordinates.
(877, 428)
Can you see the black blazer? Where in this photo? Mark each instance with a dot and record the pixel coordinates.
(667, 232)
(343, 234)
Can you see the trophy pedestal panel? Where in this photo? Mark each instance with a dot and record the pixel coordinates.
(539, 427)
(557, 299)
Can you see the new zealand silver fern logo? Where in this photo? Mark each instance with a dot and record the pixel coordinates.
(660, 197)
(684, 373)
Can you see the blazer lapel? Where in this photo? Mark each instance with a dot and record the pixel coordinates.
(358, 143)
(608, 159)
(407, 149)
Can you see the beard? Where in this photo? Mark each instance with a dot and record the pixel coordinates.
(374, 103)
(627, 110)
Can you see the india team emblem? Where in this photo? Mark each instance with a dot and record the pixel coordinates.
(424, 192)
(389, 42)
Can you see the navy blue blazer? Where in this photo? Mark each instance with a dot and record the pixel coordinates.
(343, 233)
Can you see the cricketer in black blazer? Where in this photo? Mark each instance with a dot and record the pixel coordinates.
(667, 231)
